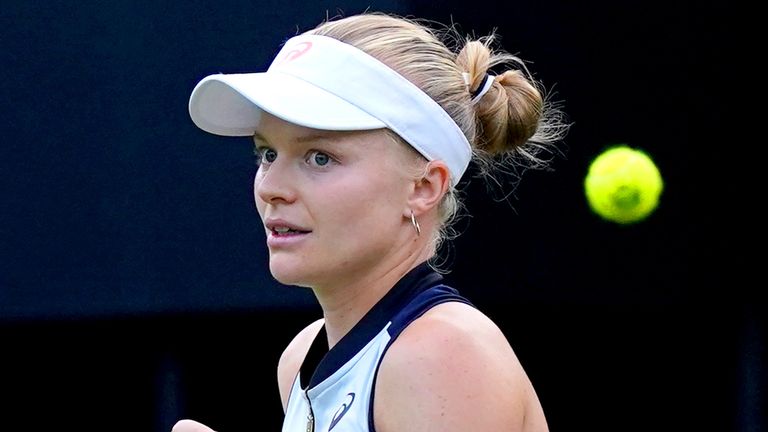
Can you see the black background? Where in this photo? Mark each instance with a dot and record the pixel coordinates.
(133, 282)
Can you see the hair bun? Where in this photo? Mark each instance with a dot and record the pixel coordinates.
(509, 111)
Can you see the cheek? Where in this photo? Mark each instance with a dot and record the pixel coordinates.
(366, 208)
(259, 203)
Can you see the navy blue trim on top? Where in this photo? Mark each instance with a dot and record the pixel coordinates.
(422, 303)
(320, 363)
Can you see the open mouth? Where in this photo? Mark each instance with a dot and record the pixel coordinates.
(285, 231)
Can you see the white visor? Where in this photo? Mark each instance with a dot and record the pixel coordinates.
(321, 83)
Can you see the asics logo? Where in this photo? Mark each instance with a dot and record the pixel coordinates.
(298, 50)
(341, 411)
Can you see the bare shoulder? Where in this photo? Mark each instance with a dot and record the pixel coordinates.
(454, 370)
(293, 356)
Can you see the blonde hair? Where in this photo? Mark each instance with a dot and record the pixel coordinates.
(508, 127)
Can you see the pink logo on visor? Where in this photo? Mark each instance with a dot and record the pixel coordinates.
(298, 50)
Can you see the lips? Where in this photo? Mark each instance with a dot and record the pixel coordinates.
(279, 227)
(284, 231)
(283, 235)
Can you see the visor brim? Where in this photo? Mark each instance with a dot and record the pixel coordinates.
(232, 104)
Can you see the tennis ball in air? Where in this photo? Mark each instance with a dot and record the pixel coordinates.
(623, 185)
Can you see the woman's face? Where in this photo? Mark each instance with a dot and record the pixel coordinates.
(332, 203)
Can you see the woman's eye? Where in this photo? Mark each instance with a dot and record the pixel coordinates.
(318, 158)
(264, 155)
(270, 155)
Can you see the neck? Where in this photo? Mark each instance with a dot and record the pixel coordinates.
(345, 303)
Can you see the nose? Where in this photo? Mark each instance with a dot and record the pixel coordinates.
(274, 185)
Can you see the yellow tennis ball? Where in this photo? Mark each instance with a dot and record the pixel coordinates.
(623, 185)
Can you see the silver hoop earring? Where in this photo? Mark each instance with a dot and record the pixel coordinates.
(415, 224)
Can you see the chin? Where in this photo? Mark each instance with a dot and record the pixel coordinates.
(289, 273)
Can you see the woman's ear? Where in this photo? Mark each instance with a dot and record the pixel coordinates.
(429, 189)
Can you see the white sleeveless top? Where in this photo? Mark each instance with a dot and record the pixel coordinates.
(333, 391)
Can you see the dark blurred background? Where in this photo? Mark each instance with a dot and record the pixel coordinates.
(133, 282)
